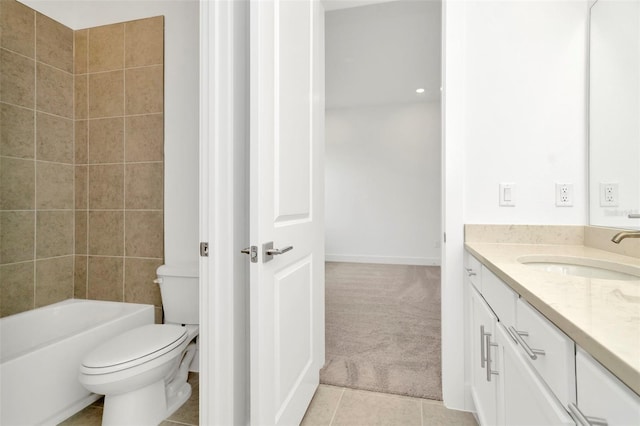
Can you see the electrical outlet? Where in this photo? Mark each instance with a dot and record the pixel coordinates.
(564, 194)
(608, 195)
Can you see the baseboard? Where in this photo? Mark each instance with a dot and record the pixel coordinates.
(387, 260)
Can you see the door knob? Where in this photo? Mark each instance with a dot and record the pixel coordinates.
(268, 251)
(279, 251)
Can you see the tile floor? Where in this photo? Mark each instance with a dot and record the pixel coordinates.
(331, 406)
(334, 406)
(186, 415)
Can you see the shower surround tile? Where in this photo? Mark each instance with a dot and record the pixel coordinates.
(145, 138)
(106, 94)
(80, 51)
(54, 91)
(54, 44)
(106, 140)
(54, 280)
(18, 27)
(17, 288)
(16, 79)
(17, 126)
(16, 236)
(54, 138)
(65, 142)
(54, 233)
(106, 48)
(144, 90)
(144, 42)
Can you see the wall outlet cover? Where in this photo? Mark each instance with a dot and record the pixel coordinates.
(564, 194)
(609, 195)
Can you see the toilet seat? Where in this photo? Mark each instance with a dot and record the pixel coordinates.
(133, 348)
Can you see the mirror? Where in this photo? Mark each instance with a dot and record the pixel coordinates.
(614, 114)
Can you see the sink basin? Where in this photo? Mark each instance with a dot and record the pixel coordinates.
(582, 267)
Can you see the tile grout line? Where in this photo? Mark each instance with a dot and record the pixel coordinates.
(337, 406)
(35, 153)
(87, 138)
(124, 158)
(73, 121)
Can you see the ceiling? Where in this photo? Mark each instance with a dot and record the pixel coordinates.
(380, 54)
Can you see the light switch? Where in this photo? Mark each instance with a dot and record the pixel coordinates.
(507, 194)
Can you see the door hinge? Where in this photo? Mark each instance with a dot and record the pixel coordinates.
(204, 249)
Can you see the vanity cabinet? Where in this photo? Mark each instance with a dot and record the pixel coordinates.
(526, 371)
(484, 386)
(601, 396)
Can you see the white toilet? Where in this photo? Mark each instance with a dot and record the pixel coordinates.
(143, 372)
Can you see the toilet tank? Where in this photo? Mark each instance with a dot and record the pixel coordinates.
(180, 293)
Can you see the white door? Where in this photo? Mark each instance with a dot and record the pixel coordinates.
(286, 207)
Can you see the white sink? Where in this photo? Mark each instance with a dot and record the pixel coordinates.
(582, 267)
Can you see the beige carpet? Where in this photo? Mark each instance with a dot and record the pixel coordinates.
(383, 328)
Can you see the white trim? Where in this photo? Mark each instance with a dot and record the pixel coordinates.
(222, 330)
(387, 260)
(454, 390)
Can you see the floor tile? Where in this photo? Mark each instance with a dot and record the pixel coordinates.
(361, 408)
(189, 412)
(434, 413)
(92, 415)
(323, 406)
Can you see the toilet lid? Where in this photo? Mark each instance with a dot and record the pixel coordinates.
(134, 347)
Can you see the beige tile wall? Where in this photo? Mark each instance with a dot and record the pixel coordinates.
(119, 165)
(81, 160)
(36, 159)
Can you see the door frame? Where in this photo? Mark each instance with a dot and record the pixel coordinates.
(221, 27)
(223, 212)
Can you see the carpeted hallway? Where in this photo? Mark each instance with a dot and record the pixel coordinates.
(383, 328)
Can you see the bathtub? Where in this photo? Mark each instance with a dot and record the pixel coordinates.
(40, 354)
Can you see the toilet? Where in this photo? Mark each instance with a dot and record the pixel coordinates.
(143, 372)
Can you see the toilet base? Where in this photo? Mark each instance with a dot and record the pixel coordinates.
(142, 407)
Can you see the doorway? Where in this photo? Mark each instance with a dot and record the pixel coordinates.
(383, 197)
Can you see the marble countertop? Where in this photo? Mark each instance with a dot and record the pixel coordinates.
(601, 316)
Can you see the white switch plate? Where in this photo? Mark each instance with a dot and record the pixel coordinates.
(609, 195)
(564, 194)
(507, 195)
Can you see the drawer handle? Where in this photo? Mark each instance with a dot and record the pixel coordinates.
(533, 353)
(488, 346)
(583, 420)
(483, 356)
(470, 272)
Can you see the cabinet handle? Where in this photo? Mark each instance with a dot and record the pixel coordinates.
(470, 272)
(533, 353)
(583, 420)
(483, 356)
(488, 345)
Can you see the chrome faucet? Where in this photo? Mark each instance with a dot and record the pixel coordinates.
(625, 234)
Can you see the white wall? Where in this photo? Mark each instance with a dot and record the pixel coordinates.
(382, 138)
(383, 184)
(525, 109)
(180, 102)
(514, 105)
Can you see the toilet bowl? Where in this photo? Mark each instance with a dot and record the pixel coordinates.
(142, 373)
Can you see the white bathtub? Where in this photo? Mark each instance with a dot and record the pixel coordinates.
(40, 353)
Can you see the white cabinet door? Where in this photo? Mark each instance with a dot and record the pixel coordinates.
(527, 399)
(601, 395)
(483, 385)
(557, 365)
